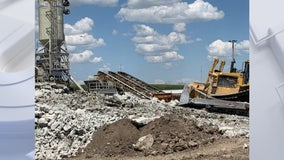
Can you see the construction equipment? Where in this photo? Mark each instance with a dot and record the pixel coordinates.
(95, 85)
(221, 89)
(119, 82)
(52, 58)
(128, 83)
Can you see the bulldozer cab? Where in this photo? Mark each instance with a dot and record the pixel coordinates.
(229, 82)
(221, 90)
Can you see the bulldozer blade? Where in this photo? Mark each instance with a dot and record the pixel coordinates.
(218, 103)
(184, 97)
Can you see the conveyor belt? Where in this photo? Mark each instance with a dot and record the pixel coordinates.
(129, 84)
(144, 84)
(122, 85)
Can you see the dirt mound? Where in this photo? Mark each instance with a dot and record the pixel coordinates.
(174, 133)
(114, 139)
(171, 133)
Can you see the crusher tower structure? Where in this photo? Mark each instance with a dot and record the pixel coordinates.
(52, 58)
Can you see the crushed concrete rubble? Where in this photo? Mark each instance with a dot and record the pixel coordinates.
(65, 121)
(144, 143)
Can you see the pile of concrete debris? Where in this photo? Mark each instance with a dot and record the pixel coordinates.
(65, 122)
(165, 135)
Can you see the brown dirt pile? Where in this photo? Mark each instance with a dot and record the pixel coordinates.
(171, 133)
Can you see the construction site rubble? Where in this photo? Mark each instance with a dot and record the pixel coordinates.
(67, 122)
(144, 143)
(165, 135)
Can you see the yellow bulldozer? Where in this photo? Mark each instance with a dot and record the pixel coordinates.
(221, 89)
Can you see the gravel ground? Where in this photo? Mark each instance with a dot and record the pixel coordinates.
(66, 122)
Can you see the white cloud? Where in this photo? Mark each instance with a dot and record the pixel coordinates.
(220, 48)
(168, 65)
(165, 57)
(96, 60)
(81, 57)
(170, 12)
(109, 3)
(158, 48)
(177, 37)
(71, 48)
(85, 56)
(243, 45)
(82, 26)
(79, 35)
(79, 38)
(149, 41)
(152, 49)
(85, 40)
(179, 27)
(143, 30)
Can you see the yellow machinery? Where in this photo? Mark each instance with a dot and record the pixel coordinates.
(223, 85)
(219, 86)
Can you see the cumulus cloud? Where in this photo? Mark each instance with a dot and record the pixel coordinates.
(179, 27)
(71, 48)
(79, 35)
(150, 41)
(143, 30)
(96, 60)
(221, 48)
(155, 47)
(165, 57)
(81, 57)
(169, 11)
(109, 3)
(243, 45)
(168, 65)
(85, 56)
(82, 26)
(79, 39)
(86, 40)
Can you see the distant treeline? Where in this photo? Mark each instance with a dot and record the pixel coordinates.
(167, 86)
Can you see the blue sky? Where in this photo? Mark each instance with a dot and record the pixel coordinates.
(158, 41)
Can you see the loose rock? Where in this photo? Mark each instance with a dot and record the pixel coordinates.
(65, 122)
(144, 143)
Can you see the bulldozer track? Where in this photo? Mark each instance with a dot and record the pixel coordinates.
(233, 97)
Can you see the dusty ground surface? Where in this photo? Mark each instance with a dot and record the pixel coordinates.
(226, 148)
(175, 138)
